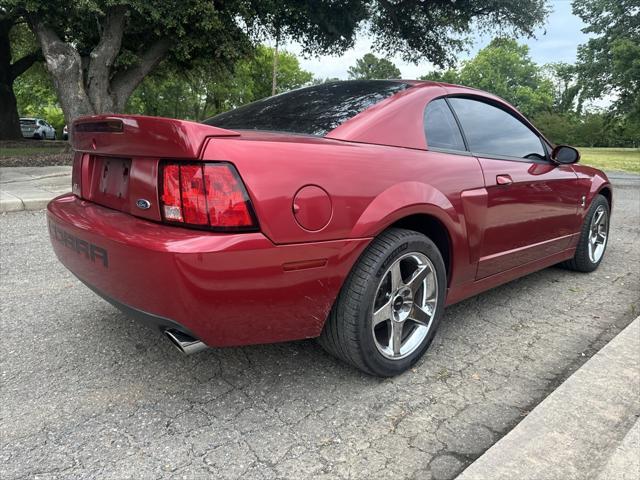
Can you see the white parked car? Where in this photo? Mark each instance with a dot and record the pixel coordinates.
(37, 128)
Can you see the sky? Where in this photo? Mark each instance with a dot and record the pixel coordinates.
(556, 41)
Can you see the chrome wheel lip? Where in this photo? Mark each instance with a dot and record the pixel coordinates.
(418, 298)
(598, 234)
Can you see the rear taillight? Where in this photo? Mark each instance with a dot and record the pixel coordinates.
(209, 195)
(76, 175)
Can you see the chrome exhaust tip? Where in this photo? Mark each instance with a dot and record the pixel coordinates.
(185, 343)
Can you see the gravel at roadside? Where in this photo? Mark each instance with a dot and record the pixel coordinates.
(38, 160)
(35, 153)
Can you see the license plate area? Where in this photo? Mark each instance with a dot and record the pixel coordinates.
(110, 178)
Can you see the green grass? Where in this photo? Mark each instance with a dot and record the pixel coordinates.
(30, 151)
(621, 159)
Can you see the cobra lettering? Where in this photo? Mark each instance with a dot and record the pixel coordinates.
(90, 251)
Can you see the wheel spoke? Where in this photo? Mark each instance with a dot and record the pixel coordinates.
(421, 316)
(600, 238)
(396, 337)
(396, 277)
(417, 278)
(598, 217)
(430, 293)
(382, 314)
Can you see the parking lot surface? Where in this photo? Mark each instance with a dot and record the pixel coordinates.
(88, 393)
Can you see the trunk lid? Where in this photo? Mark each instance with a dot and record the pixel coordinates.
(117, 158)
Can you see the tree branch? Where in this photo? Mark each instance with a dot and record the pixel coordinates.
(126, 81)
(20, 66)
(104, 55)
(51, 44)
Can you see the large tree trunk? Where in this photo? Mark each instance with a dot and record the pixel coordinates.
(9, 120)
(88, 86)
(65, 66)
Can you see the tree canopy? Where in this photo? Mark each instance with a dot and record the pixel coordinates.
(370, 67)
(609, 63)
(99, 51)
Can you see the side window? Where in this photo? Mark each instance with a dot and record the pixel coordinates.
(493, 131)
(441, 128)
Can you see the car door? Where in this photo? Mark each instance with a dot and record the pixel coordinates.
(532, 203)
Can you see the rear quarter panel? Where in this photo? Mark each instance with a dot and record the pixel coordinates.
(370, 186)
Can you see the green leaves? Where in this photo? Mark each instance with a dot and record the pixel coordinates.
(436, 30)
(205, 90)
(609, 63)
(504, 68)
(371, 67)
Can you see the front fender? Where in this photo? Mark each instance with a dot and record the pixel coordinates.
(593, 182)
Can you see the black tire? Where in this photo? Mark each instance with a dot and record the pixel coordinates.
(581, 262)
(37, 136)
(348, 332)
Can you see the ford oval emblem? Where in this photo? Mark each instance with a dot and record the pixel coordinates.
(143, 203)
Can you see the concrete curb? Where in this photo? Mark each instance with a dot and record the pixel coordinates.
(584, 429)
(624, 464)
(31, 188)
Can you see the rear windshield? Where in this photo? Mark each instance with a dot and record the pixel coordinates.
(313, 110)
(27, 122)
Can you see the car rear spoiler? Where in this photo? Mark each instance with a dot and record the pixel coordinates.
(138, 135)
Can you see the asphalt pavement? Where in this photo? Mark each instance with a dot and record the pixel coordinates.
(89, 393)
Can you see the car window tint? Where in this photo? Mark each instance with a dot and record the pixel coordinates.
(493, 131)
(441, 128)
(313, 110)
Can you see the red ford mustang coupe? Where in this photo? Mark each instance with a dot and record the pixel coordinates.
(349, 211)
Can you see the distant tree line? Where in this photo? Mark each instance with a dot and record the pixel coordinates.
(553, 96)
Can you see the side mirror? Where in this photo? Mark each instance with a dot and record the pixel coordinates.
(565, 155)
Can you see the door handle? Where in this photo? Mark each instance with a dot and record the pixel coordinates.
(504, 179)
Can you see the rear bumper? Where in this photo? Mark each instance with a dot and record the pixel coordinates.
(224, 289)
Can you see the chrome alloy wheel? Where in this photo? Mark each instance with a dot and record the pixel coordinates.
(404, 306)
(598, 232)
